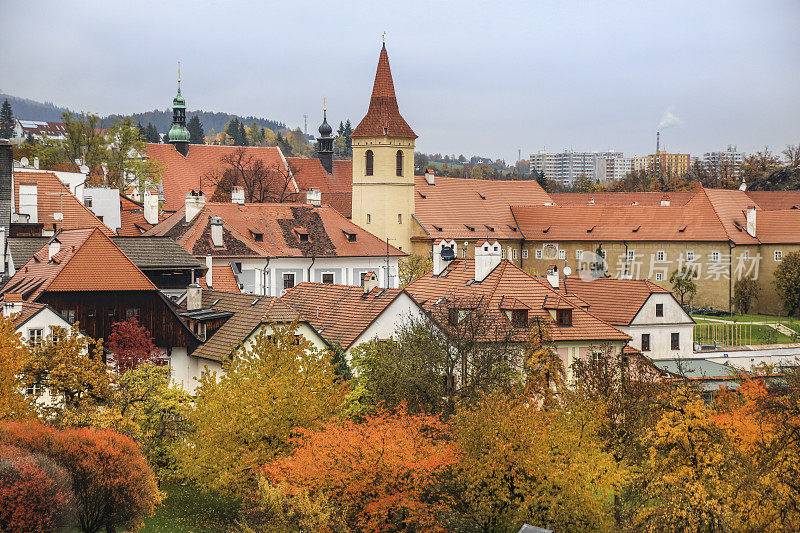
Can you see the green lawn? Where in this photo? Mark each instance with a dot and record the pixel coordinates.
(756, 334)
(187, 509)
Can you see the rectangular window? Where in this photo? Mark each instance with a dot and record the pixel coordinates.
(659, 276)
(675, 341)
(597, 357)
(579, 255)
(514, 254)
(502, 253)
(519, 318)
(659, 309)
(327, 277)
(302, 236)
(464, 252)
(524, 254)
(33, 390)
(35, 336)
(715, 257)
(259, 237)
(538, 254)
(69, 315)
(631, 255)
(645, 342)
(778, 255)
(132, 312)
(87, 201)
(399, 218)
(288, 280)
(562, 254)
(369, 218)
(564, 317)
(661, 256)
(689, 255)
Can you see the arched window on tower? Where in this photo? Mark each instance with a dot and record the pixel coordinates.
(369, 163)
(399, 158)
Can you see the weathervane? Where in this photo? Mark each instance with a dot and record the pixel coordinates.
(383, 36)
(324, 103)
(179, 75)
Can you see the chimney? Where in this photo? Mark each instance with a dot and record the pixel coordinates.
(6, 183)
(444, 252)
(237, 195)
(751, 220)
(216, 232)
(314, 197)
(430, 177)
(195, 202)
(665, 201)
(552, 276)
(150, 207)
(209, 272)
(487, 257)
(370, 281)
(53, 248)
(12, 304)
(194, 297)
(36, 163)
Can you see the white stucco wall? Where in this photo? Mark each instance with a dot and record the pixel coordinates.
(660, 329)
(403, 310)
(46, 320)
(105, 205)
(185, 370)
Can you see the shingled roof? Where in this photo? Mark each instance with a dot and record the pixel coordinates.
(383, 116)
(87, 260)
(157, 253)
(508, 282)
(463, 208)
(339, 313)
(279, 228)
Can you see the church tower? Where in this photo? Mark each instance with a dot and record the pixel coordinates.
(383, 165)
(325, 143)
(178, 134)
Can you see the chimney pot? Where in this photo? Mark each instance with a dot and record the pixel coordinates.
(52, 249)
(487, 257)
(216, 232)
(751, 220)
(150, 208)
(195, 202)
(194, 297)
(314, 197)
(442, 257)
(370, 281)
(430, 177)
(237, 195)
(552, 276)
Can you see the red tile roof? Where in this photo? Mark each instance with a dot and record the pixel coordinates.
(509, 282)
(183, 174)
(463, 208)
(132, 216)
(222, 279)
(52, 196)
(279, 225)
(617, 301)
(775, 200)
(87, 261)
(339, 313)
(778, 227)
(383, 116)
(621, 198)
(336, 188)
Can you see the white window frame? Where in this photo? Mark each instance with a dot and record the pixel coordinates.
(539, 254)
(502, 253)
(525, 254)
(562, 254)
(715, 256)
(369, 218)
(778, 255)
(34, 338)
(631, 256)
(659, 276)
(690, 255)
(331, 273)
(661, 256)
(514, 254)
(579, 255)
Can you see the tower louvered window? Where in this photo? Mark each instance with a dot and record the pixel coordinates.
(399, 158)
(369, 157)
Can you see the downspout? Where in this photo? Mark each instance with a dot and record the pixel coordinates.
(626, 257)
(731, 246)
(313, 259)
(264, 277)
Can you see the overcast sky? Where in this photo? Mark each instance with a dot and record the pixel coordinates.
(484, 78)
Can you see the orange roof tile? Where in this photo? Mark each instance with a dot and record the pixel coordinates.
(276, 224)
(383, 116)
(52, 196)
(464, 208)
(183, 174)
(775, 200)
(336, 188)
(222, 278)
(86, 261)
(621, 198)
(509, 281)
(778, 227)
(617, 301)
(339, 313)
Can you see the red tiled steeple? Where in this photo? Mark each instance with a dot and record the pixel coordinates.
(383, 116)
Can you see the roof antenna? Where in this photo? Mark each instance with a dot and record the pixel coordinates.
(383, 37)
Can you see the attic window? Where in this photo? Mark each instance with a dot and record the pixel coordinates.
(636, 229)
(437, 228)
(519, 318)
(302, 235)
(489, 228)
(258, 237)
(482, 196)
(512, 228)
(591, 229)
(421, 195)
(564, 317)
(682, 229)
(471, 228)
(545, 230)
(351, 237)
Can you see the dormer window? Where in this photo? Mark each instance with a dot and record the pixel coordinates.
(564, 317)
(351, 237)
(519, 318)
(258, 237)
(302, 235)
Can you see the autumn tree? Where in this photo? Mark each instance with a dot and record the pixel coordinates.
(35, 493)
(124, 158)
(787, 282)
(131, 345)
(84, 141)
(14, 357)
(413, 267)
(262, 182)
(112, 483)
(246, 418)
(545, 375)
(682, 282)
(380, 473)
(523, 464)
(745, 291)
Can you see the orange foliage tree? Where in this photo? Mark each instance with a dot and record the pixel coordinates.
(380, 473)
(131, 344)
(13, 358)
(112, 482)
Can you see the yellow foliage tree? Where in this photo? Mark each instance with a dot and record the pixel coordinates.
(245, 418)
(14, 405)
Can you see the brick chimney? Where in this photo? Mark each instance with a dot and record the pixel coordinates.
(370, 281)
(6, 184)
(487, 257)
(195, 202)
(194, 297)
(12, 304)
(552, 276)
(314, 197)
(209, 272)
(751, 220)
(444, 253)
(430, 177)
(150, 204)
(216, 232)
(237, 195)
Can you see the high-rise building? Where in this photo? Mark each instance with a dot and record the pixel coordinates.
(567, 167)
(728, 159)
(666, 165)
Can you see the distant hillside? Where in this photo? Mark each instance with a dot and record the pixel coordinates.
(31, 110)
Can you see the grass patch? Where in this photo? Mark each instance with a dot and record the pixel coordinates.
(187, 509)
(744, 334)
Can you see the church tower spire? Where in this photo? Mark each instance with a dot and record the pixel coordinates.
(178, 134)
(383, 164)
(325, 142)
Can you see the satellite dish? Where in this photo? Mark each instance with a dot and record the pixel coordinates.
(567, 271)
(447, 253)
(84, 169)
(24, 161)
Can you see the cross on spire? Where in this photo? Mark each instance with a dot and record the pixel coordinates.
(179, 75)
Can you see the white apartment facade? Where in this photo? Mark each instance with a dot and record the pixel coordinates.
(730, 156)
(567, 167)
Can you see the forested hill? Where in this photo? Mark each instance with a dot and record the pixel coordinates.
(31, 110)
